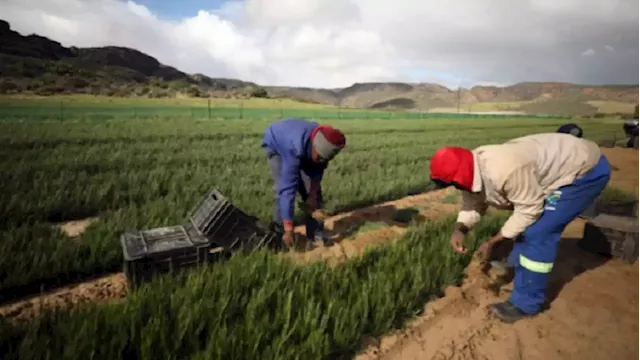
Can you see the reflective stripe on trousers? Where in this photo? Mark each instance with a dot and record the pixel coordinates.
(535, 266)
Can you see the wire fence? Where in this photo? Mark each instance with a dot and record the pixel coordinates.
(73, 110)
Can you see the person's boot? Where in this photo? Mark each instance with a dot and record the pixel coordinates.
(507, 312)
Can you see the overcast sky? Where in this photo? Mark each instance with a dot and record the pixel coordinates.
(335, 43)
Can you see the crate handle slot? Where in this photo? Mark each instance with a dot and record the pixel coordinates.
(144, 242)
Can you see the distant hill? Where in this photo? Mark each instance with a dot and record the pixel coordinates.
(38, 65)
(564, 98)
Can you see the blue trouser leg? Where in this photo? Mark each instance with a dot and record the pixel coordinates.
(515, 252)
(274, 166)
(312, 226)
(535, 254)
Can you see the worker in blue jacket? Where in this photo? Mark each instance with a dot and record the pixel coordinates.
(298, 152)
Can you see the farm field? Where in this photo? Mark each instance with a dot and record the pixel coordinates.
(117, 173)
(613, 108)
(87, 107)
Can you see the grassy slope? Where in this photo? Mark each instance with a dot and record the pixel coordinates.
(258, 307)
(91, 100)
(555, 107)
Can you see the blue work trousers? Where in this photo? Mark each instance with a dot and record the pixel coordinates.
(314, 227)
(536, 249)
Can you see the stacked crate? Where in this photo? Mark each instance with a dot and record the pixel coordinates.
(613, 236)
(214, 229)
(229, 227)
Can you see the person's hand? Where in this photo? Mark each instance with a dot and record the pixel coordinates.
(457, 242)
(485, 250)
(287, 238)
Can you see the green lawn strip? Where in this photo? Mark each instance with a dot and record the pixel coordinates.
(612, 194)
(258, 306)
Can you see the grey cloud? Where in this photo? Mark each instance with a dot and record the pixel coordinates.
(333, 43)
(511, 41)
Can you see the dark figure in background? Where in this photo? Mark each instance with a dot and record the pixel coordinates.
(571, 129)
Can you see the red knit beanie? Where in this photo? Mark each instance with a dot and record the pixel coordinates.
(453, 165)
(328, 141)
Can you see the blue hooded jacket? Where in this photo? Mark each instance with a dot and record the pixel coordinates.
(291, 140)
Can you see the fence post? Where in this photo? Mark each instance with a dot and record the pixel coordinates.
(241, 109)
(209, 108)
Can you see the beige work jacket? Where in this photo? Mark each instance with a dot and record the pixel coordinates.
(521, 173)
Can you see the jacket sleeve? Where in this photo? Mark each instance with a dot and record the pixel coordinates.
(288, 185)
(523, 190)
(472, 208)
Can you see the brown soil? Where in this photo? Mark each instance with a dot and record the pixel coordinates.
(104, 288)
(624, 163)
(594, 303)
(75, 228)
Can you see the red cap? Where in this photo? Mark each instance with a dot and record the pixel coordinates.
(333, 135)
(453, 164)
(327, 141)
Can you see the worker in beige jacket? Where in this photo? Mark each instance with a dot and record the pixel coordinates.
(546, 179)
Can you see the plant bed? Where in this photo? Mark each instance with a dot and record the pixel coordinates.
(258, 307)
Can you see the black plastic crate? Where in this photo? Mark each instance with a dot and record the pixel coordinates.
(205, 214)
(621, 208)
(612, 236)
(225, 225)
(162, 250)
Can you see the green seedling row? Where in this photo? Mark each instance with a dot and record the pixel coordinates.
(258, 306)
(135, 173)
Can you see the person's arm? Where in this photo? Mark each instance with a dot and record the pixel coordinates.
(523, 190)
(287, 187)
(316, 174)
(472, 208)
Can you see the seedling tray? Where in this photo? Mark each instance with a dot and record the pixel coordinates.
(612, 236)
(162, 250)
(225, 225)
(622, 208)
